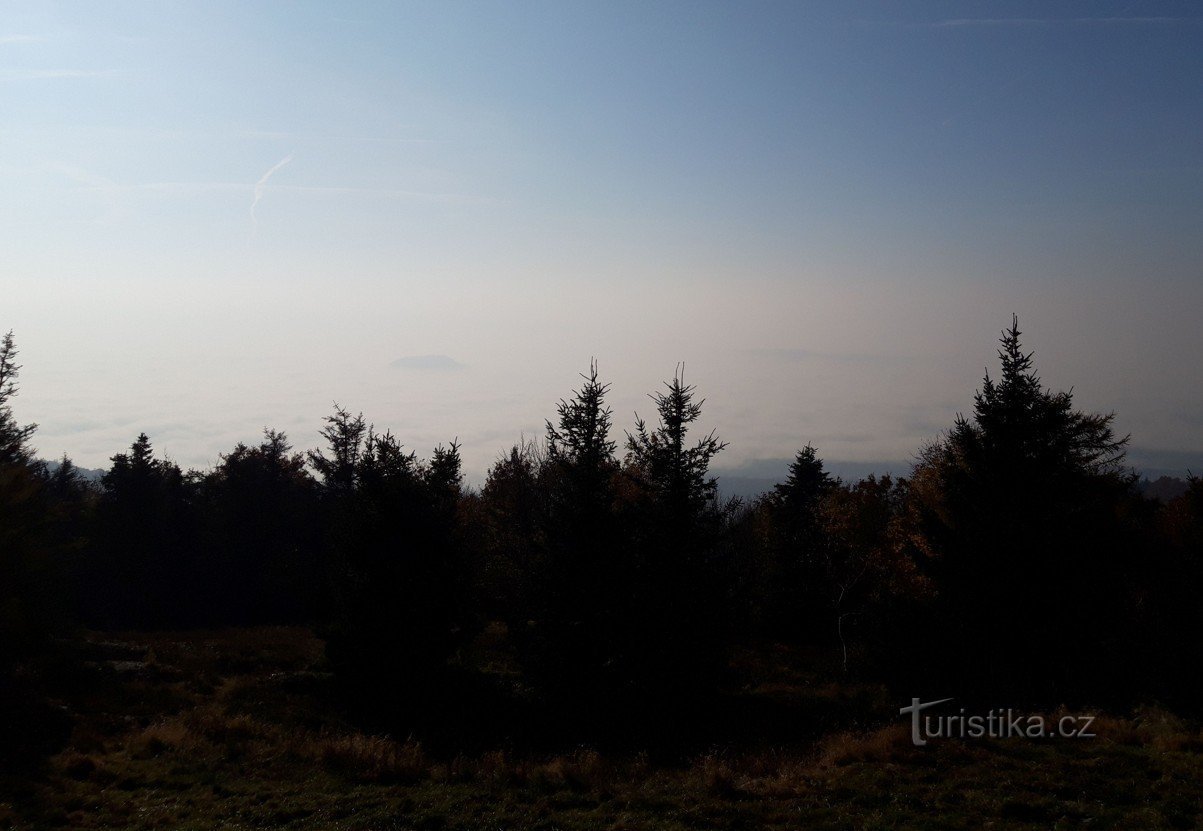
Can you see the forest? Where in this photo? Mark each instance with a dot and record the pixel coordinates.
(595, 602)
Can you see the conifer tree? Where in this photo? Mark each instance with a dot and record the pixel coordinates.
(678, 618)
(676, 473)
(579, 449)
(14, 437)
(25, 558)
(344, 435)
(395, 562)
(574, 592)
(144, 571)
(806, 482)
(1020, 510)
(795, 588)
(261, 526)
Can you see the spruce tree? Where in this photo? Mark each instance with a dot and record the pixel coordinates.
(579, 448)
(676, 472)
(1020, 512)
(25, 556)
(796, 590)
(145, 569)
(14, 437)
(573, 569)
(679, 607)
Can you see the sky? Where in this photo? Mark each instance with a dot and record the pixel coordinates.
(217, 217)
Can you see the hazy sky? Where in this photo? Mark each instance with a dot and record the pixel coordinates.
(220, 216)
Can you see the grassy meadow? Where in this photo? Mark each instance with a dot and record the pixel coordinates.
(242, 729)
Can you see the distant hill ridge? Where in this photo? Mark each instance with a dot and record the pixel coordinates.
(87, 473)
(757, 477)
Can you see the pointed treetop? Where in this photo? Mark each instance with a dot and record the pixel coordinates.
(807, 480)
(582, 435)
(1018, 422)
(679, 472)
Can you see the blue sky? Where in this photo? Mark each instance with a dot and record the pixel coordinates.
(216, 217)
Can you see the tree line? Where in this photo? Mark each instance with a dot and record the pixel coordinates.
(1017, 564)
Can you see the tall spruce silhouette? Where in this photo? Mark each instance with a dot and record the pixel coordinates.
(25, 558)
(580, 453)
(676, 472)
(14, 437)
(1029, 551)
(680, 604)
(32, 590)
(576, 593)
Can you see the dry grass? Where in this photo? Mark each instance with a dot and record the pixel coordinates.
(1152, 727)
(248, 741)
(371, 758)
(887, 744)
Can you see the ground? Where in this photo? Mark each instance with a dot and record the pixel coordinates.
(239, 729)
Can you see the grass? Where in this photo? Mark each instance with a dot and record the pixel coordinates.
(238, 730)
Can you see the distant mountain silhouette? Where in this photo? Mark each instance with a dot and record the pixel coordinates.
(1163, 473)
(758, 476)
(1153, 464)
(86, 473)
(1164, 488)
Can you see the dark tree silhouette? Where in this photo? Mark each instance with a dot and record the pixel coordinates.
(805, 484)
(260, 562)
(678, 620)
(14, 437)
(396, 564)
(25, 559)
(580, 453)
(32, 587)
(1029, 551)
(511, 535)
(143, 567)
(1171, 616)
(444, 475)
(1017, 564)
(575, 592)
(865, 579)
(675, 473)
(344, 435)
(798, 593)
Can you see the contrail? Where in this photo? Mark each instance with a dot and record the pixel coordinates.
(261, 184)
